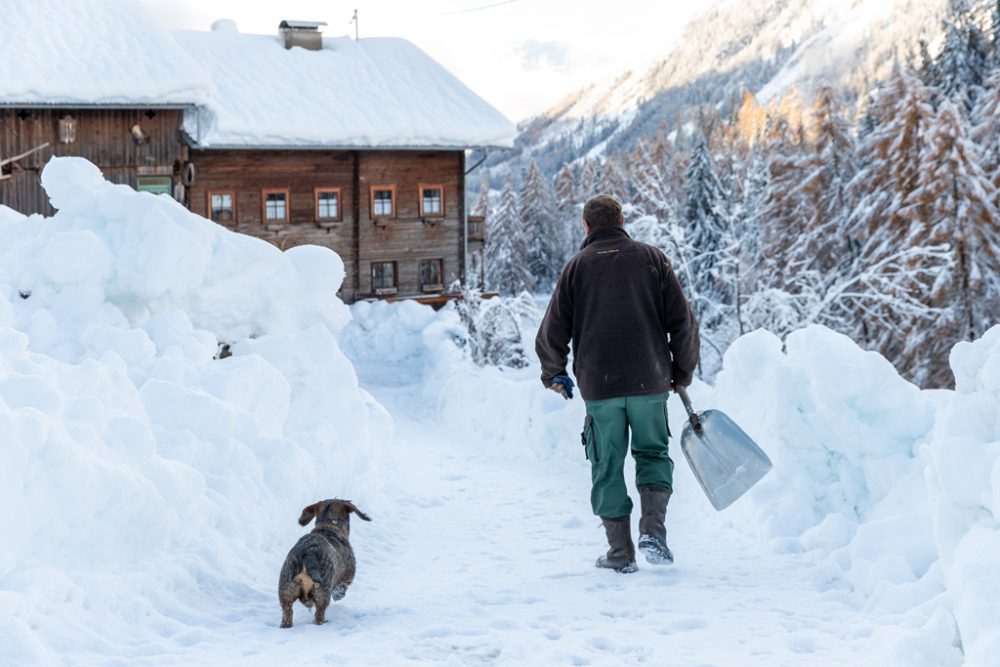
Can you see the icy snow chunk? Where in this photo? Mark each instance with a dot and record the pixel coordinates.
(72, 182)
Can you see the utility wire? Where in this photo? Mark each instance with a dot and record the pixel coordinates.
(477, 9)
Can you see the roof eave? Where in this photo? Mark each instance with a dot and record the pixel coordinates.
(99, 105)
(346, 147)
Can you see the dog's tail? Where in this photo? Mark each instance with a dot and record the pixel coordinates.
(310, 574)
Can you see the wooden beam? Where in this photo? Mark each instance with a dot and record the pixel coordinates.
(24, 154)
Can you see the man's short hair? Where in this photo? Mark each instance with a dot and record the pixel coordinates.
(603, 212)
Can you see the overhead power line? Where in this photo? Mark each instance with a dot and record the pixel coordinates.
(477, 9)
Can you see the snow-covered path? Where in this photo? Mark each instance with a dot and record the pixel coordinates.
(482, 557)
(479, 556)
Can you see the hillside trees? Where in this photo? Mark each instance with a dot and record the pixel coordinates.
(880, 220)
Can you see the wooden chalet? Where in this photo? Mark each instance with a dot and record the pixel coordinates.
(359, 146)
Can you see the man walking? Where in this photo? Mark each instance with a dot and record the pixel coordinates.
(634, 337)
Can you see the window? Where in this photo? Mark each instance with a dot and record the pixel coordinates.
(383, 201)
(431, 201)
(431, 275)
(222, 206)
(328, 205)
(158, 185)
(384, 277)
(275, 206)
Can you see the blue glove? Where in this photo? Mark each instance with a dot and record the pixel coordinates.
(562, 385)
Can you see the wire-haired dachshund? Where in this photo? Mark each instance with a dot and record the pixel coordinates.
(320, 566)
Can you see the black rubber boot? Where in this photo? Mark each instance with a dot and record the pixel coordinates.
(652, 527)
(621, 555)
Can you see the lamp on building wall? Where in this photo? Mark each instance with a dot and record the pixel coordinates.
(67, 129)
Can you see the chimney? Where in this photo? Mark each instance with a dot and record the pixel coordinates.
(306, 34)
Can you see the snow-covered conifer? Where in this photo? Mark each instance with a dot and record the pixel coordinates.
(569, 230)
(953, 204)
(482, 205)
(507, 246)
(612, 181)
(540, 225)
(707, 221)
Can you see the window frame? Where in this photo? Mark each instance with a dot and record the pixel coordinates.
(371, 202)
(264, 192)
(340, 205)
(208, 205)
(169, 184)
(420, 199)
(434, 287)
(394, 289)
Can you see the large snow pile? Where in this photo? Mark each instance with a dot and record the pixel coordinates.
(142, 474)
(964, 482)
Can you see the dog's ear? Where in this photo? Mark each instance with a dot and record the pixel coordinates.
(308, 514)
(349, 507)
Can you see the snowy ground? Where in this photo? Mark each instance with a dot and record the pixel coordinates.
(479, 555)
(151, 487)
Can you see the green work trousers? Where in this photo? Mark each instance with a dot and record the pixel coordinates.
(606, 440)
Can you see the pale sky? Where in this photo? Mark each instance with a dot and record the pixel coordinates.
(522, 56)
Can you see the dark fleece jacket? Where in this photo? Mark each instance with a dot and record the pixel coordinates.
(621, 304)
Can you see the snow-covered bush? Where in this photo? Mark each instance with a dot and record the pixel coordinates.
(140, 474)
(496, 332)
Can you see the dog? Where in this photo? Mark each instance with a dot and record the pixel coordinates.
(321, 565)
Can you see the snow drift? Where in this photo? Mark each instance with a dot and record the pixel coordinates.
(143, 474)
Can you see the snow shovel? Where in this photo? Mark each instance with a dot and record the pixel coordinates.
(724, 459)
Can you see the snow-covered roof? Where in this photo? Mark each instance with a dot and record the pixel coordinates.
(376, 92)
(241, 90)
(107, 53)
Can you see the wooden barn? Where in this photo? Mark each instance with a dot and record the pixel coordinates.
(360, 146)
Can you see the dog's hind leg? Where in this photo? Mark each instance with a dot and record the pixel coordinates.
(322, 600)
(287, 596)
(286, 614)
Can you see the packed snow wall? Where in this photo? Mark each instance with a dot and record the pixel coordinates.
(143, 473)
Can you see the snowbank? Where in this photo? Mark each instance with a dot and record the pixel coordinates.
(142, 475)
(963, 479)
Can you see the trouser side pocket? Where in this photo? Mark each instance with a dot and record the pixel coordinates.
(588, 440)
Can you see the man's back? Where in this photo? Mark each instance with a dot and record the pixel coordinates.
(618, 299)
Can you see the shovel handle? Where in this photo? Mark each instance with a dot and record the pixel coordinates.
(692, 415)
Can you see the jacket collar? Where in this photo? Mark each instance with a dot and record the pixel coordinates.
(604, 234)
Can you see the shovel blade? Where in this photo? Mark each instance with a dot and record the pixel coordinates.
(725, 460)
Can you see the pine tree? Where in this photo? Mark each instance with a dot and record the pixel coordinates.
(986, 127)
(894, 303)
(507, 246)
(707, 221)
(612, 180)
(587, 183)
(482, 205)
(953, 204)
(826, 170)
(961, 67)
(540, 225)
(890, 158)
(654, 192)
(781, 213)
(569, 211)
